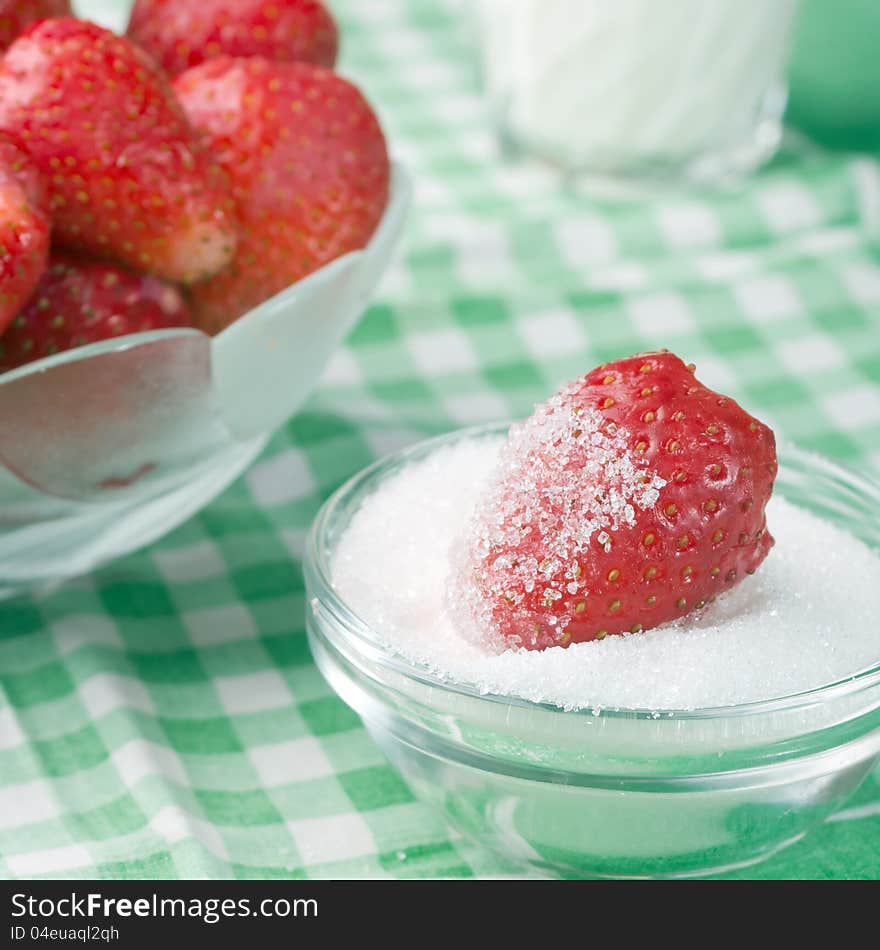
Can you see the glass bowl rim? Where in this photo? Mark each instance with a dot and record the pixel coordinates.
(320, 587)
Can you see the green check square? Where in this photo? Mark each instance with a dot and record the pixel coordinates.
(376, 326)
(71, 753)
(437, 859)
(267, 579)
(19, 618)
(238, 809)
(248, 872)
(202, 736)
(327, 716)
(315, 428)
(152, 867)
(121, 816)
(375, 787)
(176, 666)
(41, 685)
(517, 375)
(478, 311)
(136, 599)
(287, 649)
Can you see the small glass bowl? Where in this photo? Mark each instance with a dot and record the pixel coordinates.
(616, 792)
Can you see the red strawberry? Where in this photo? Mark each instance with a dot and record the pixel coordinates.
(24, 228)
(309, 167)
(630, 498)
(79, 301)
(180, 34)
(15, 15)
(127, 178)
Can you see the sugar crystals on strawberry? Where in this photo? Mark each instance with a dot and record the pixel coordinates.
(629, 499)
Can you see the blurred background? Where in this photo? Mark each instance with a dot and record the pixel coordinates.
(832, 72)
(834, 77)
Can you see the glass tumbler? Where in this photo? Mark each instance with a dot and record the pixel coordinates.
(632, 89)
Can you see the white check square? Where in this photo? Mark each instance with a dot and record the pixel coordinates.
(26, 804)
(280, 479)
(689, 225)
(788, 207)
(441, 351)
(50, 861)
(334, 838)
(173, 824)
(212, 625)
(298, 760)
(655, 315)
(863, 282)
(767, 298)
(553, 333)
(252, 692)
(195, 562)
(811, 354)
(104, 692)
(140, 758)
(11, 734)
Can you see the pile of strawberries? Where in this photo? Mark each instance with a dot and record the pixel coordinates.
(178, 175)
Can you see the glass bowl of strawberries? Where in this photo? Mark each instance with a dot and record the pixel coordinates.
(185, 241)
(596, 642)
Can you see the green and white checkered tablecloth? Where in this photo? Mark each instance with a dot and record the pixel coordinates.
(163, 717)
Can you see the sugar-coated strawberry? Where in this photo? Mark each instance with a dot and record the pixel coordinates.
(309, 166)
(15, 15)
(128, 179)
(79, 301)
(24, 228)
(632, 497)
(180, 34)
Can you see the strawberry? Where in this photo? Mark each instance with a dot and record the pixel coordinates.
(15, 15)
(80, 301)
(180, 34)
(24, 228)
(127, 178)
(309, 166)
(632, 497)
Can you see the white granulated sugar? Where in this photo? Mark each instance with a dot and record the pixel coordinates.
(806, 618)
(536, 492)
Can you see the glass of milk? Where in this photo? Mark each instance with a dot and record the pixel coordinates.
(686, 89)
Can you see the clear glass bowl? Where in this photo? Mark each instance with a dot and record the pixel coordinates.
(626, 792)
(106, 447)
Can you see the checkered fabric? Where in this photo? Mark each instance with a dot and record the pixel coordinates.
(163, 716)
